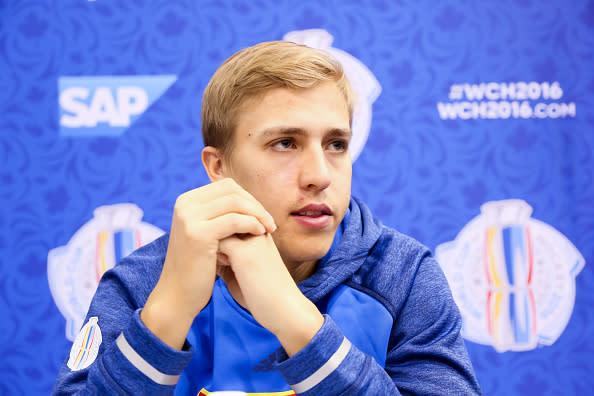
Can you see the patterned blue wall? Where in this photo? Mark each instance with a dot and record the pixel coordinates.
(423, 170)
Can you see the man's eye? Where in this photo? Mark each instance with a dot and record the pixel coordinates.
(338, 145)
(283, 144)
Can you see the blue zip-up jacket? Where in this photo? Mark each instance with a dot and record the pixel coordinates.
(391, 327)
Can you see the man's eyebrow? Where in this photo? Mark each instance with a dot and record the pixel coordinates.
(283, 131)
(339, 132)
(276, 131)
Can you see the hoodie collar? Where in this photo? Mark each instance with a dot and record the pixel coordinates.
(348, 252)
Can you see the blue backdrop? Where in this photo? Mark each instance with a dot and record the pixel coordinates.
(480, 103)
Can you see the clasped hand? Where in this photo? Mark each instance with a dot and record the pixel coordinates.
(222, 228)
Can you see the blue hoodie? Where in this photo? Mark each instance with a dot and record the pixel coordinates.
(391, 327)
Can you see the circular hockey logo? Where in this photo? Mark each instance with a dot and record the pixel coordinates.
(74, 270)
(512, 276)
(362, 80)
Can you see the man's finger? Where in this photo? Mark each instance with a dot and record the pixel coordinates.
(234, 223)
(234, 203)
(231, 196)
(214, 190)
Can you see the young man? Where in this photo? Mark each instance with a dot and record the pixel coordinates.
(273, 280)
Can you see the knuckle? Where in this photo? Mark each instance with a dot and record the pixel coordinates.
(182, 202)
(180, 213)
(235, 220)
(234, 200)
(179, 202)
(228, 182)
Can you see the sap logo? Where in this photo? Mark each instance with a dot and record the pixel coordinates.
(106, 105)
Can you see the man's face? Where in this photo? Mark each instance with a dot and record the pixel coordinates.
(290, 152)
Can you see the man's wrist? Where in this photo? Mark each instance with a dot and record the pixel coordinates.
(299, 330)
(166, 322)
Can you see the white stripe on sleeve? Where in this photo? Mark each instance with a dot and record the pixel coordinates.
(327, 368)
(142, 365)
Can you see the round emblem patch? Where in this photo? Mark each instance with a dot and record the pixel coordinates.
(86, 346)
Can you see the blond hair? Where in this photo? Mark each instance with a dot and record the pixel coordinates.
(253, 70)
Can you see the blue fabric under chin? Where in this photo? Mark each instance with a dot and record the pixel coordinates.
(337, 236)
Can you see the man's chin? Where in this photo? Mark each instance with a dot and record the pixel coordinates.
(303, 253)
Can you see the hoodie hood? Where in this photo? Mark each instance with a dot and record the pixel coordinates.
(360, 235)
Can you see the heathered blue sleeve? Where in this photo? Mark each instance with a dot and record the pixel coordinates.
(426, 353)
(331, 365)
(131, 359)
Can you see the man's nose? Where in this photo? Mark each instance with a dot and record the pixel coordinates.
(314, 171)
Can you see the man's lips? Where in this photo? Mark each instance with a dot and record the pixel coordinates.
(313, 216)
(313, 210)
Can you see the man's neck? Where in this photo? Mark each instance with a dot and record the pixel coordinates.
(301, 271)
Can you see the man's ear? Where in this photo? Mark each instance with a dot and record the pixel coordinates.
(214, 164)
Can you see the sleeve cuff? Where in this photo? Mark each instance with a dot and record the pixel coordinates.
(150, 355)
(318, 360)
